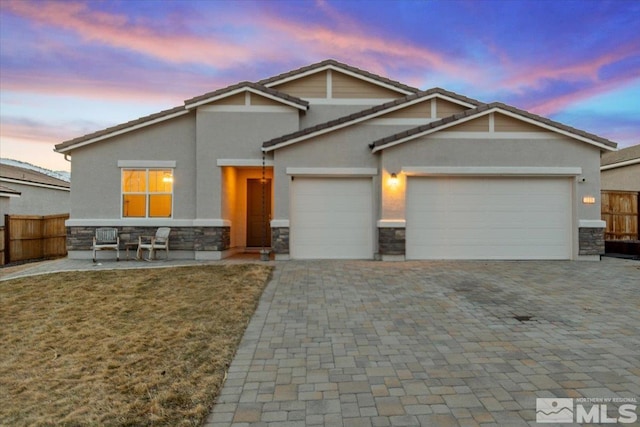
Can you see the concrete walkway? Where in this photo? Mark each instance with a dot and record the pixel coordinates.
(434, 343)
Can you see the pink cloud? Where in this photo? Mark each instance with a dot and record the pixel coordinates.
(533, 76)
(119, 31)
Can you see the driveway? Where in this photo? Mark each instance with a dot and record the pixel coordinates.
(359, 343)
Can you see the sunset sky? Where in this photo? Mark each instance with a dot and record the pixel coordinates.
(68, 68)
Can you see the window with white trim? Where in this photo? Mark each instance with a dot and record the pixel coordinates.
(147, 193)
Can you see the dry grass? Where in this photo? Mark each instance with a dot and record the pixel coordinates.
(136, 347)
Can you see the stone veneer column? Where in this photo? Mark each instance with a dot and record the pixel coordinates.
(590, 241)
(391, 240)
(280, 242)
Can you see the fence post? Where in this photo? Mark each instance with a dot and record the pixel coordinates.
(7, 239)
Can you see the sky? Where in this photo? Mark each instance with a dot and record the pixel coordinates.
(68, 68)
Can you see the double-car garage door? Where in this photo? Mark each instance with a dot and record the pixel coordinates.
(446, 218)
(488, 218)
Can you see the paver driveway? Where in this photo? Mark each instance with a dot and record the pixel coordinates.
(356, 343)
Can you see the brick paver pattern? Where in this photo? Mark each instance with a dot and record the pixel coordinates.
(364, 343)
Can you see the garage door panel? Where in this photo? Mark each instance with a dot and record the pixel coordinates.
(488, 218)
(331, 218)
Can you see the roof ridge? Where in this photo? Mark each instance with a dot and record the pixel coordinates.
(343, 65)
(363, 113)
(246, 83)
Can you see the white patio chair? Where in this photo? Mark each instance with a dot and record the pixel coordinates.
(152, 244)
(106, 239)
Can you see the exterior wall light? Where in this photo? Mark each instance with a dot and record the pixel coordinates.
(393, 179)
(588, 200)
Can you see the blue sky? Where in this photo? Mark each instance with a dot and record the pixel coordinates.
(68, 68)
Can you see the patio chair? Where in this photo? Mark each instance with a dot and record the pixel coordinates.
(106, 239)
(153, 243)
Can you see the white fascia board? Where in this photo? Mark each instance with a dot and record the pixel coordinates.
(392, 223)
(591, 223)
(490, 171)
(3, 194)
(353, 172)
(35, 184)
(484, 113)
(147, 164)
(341, 70)
(121, 131)
(345, 124)
(620, 164)
(243, 162)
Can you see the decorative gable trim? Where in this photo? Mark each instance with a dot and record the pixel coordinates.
(288, 100)
(489, 109)
(365, 115)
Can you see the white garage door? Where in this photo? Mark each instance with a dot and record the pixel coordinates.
(488, 218)
(331, 218)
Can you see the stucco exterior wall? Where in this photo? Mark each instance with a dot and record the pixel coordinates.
(551, 152)
(346, 148)
(39, 201)
(97, 178)
(231, 135)
(626, 178)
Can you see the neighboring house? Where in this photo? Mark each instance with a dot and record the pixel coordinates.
(336, 162)
(40, 193)
(6, 195)
(620, 170)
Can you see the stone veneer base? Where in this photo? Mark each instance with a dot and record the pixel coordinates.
(590, 241)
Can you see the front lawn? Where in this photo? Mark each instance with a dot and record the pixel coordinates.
(123, 347)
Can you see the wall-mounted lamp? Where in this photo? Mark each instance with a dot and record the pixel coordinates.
(393, 179)
(588, 200)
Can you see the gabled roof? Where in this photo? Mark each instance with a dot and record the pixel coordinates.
(332, 64)
(363, 115)
(485, 109)
(181, 110)
(121, 128)
(244, 86)
(18, 175)
(623, 157)
(8, 192)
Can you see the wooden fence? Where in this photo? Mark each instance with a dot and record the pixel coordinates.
(620, 211)
(29, 237)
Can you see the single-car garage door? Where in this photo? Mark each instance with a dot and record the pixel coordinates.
(331, 218)
(488, 218)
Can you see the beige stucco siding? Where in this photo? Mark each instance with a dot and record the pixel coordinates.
(421, 110)
(96, 176)
(261, 100)
(36, 200)
(312, 86)
(480, 124)
(626, 178)
(504, 123)
(345, 86)
(446, 108)
(237, 99)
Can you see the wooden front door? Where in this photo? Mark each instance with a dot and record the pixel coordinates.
(258, 217)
